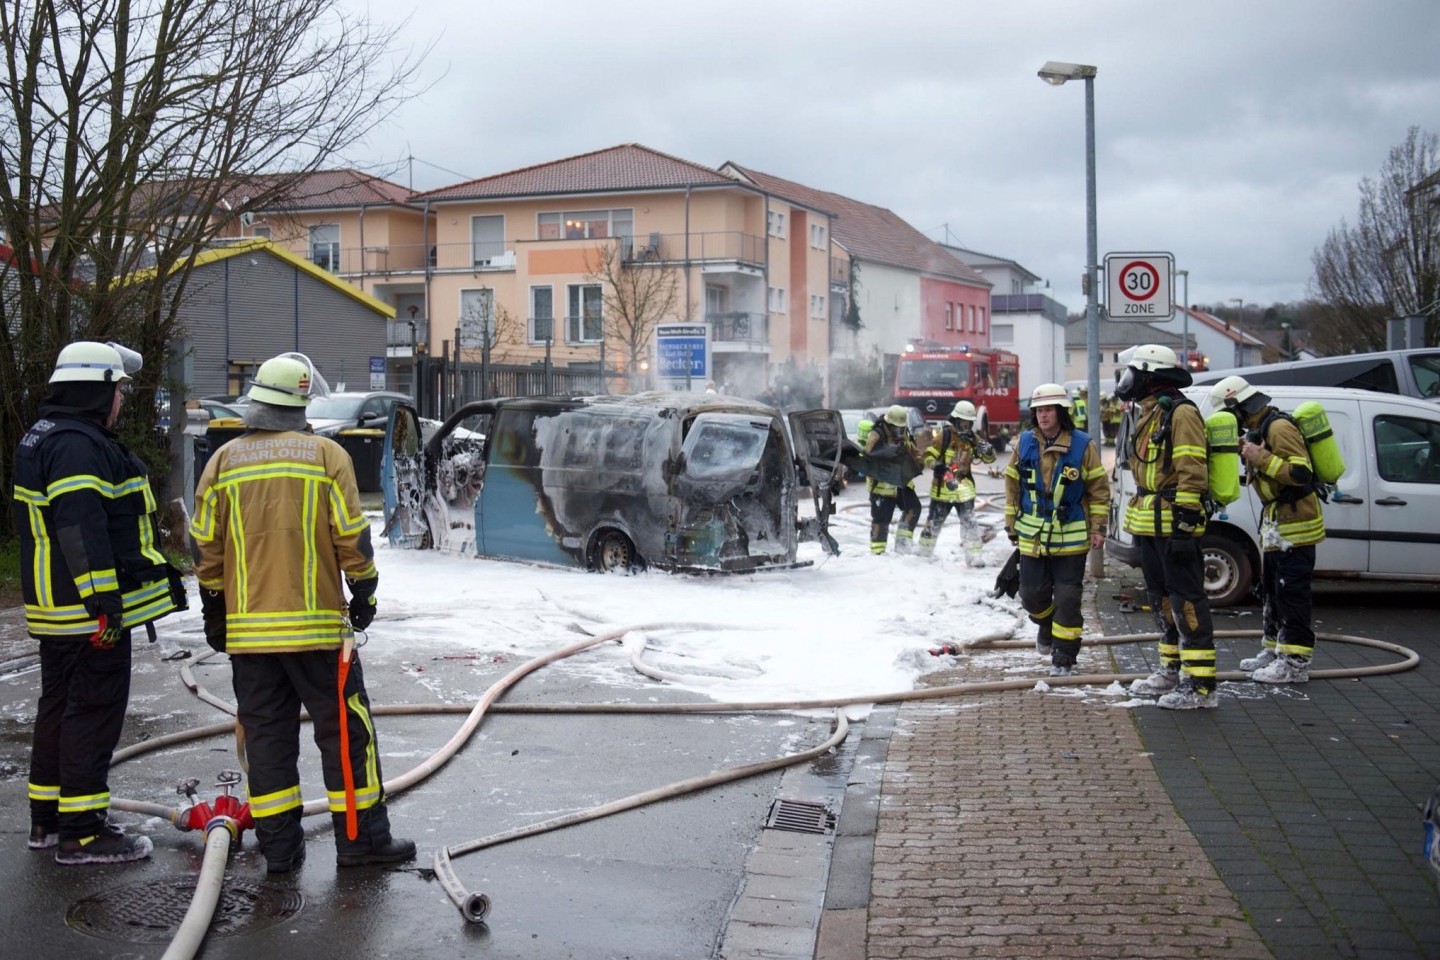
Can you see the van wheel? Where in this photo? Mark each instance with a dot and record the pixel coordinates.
(1227, 571)
(614, 553)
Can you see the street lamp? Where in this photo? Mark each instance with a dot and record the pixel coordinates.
(1057, 73)
(1185, 315)
(1240, 332)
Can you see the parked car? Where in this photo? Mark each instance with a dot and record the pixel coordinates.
(677, 481)
(1411, 373)
(1382, 521)
(330, 415)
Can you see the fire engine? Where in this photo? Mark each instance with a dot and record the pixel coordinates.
(933, 378)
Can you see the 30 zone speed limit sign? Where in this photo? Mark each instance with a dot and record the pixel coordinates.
(1139, 287)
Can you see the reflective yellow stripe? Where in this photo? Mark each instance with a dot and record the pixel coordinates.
(38, 792)
(271, 804)
(1061, 632)
(93, 801)
(345, 524)
(97, 581)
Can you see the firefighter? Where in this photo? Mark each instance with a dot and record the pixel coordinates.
(1167, 458)
(1291, 524)
(91, 570)
(1057, 500)
(952, 486)
(277, 526)
(890, 480)
(1112, 411)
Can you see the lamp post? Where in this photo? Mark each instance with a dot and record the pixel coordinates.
(1185, 315)
(1239, 332)
(1057, 73)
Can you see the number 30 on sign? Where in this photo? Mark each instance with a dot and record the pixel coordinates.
(1138, 286)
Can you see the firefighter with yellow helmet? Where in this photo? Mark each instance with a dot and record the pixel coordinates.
(278, 528)
(1167, 457)
(952, 486)
(891, 465)
(1057, 501)
(90, 571)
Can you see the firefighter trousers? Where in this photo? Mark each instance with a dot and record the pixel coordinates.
(1051, 593)
(882, 511)
(270, 688)
(83, 695)
(1285, 578)
(1175, 586)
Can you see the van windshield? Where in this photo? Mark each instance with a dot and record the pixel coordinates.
(726, 448)
(933, 374)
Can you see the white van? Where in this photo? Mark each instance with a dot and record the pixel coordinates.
(1382, 522)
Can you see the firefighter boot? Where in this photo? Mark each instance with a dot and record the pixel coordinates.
(282, 840)
(373, 842)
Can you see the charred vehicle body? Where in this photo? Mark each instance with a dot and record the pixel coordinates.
(676, 481)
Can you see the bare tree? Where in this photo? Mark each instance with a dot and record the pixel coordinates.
(636, 296)
(1388, 263)
(132, 132)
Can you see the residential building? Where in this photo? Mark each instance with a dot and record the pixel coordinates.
(906, 285)
(1115, 337)
(575, 260)
(1222, 344)
(1025, 319)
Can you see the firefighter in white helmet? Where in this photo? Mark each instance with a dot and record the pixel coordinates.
(1057, 500)
(1167, 457)
(90, 571)
(891, 465)
(952, 487)
(1281, 473)
(277, 528)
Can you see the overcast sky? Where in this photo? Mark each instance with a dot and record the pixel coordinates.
(1232, 133)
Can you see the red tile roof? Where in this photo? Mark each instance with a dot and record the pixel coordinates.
(628, 166)
(869, 232)
(322, 189)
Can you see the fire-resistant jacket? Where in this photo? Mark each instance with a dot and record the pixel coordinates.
(956, 452)
(885, 434)
(1042, 505)
(277, 521)
(1284, 481)
(86, 518)
(1167, 459)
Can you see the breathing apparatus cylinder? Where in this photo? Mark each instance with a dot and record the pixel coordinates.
(1222, 439)
(1325, 453)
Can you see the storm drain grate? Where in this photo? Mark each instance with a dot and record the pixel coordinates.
(151, 912)
(800, 816)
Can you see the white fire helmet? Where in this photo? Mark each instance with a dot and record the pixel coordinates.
(1049, 395)
(964, 410)
(1152, 356)
(1233, 391)
(897, 416)
(289, 380)
(97, 362)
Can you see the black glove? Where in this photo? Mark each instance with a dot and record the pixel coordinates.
(937, 475)
(109, 609)
(212, 613)
(1187, 521)
(362, 602)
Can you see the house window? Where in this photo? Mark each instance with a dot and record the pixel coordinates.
(261, 232)
(542, 314)
(777, 299)
(817, 306)
(971, 327)
(983, 320)
(817, 236)
(1003, 333)
(477, 318)
(487, 239)
(949, 317)
(586, 224)
(775, 223)
(325, 246)
(583, 317)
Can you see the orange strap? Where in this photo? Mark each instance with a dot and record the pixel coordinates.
(352, 827)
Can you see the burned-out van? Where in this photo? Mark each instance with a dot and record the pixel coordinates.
(676, 481)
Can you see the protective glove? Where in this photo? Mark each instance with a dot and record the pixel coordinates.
(108, 608)
(1014, 538)
(362, 602)
(212, 613)
(1187, 521)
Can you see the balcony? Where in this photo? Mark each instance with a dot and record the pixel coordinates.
(839, 273)
(397, 333)
(725, 246)
(744, 330)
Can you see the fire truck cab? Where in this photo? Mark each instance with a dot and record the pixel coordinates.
(933, 379)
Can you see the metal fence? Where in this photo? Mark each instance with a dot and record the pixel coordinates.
(442, 387)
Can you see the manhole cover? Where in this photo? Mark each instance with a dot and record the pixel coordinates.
(800, 816)
(151, 912)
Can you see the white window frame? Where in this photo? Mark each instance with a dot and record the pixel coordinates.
(777, 300)
(330, 260)
(817, 236)
(578, 328)
(494, 249)
(486, 316)
(619, 222)
(535, 320)
(817, 306)
(775, 223)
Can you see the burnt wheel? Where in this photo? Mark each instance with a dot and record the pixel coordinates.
(614, 553)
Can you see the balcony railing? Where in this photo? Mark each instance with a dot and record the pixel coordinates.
(397, 332)
(726, 246)
(739, 327)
